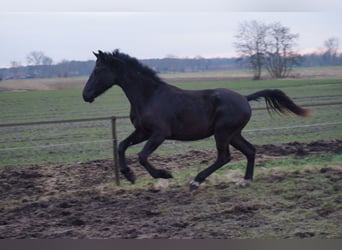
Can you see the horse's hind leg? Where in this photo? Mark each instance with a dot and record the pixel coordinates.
(151, 145)
(248, 150)
(223, 157)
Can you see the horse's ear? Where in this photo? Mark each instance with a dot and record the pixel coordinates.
(99, 54)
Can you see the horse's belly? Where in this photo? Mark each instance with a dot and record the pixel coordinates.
(191, 132)
(190, 137)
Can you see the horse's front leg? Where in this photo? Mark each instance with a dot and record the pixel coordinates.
(151, 145)
(134, 138)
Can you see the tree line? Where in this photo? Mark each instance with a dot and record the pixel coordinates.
(260, 47)
(164, 65)
(79, 68)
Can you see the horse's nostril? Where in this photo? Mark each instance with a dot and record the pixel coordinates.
(87, 98)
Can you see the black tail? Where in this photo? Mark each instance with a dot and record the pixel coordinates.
(278, 101)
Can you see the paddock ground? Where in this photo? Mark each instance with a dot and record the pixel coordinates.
(81, 200)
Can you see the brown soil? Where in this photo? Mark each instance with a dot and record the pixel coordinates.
(81, 201)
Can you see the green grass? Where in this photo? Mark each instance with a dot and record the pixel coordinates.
(67, 103)
(316, 161)
(88, 141)
(183, 176)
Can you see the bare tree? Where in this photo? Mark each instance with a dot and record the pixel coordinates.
(38, 58)
(331, 51)
(269, 46)
(15, 64)
(332, 45)
(251, 45)
(15, 67)
(280, 56)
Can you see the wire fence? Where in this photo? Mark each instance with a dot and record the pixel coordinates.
(325, 124)
(87, 139)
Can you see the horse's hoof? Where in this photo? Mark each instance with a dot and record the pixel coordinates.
(164, 174)
(244, 183)
(194, 185)
(129, 175)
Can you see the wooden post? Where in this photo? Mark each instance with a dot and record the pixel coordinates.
(115, 152)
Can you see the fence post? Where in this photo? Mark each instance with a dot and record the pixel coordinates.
(115, 152)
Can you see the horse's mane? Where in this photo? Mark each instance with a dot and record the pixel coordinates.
(133, 64)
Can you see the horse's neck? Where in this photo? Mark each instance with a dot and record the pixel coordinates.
(139, 91)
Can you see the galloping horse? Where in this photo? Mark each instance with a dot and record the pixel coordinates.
(160, 111)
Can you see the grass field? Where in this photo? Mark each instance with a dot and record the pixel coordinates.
(72, 142)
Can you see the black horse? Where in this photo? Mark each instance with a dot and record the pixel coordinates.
(160, 111)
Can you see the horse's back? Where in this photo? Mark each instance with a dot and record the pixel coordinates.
(196, 114)
(210, 103)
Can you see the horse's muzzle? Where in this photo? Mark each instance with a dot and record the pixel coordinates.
(87, 98)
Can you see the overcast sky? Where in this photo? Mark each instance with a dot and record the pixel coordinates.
(71, 30)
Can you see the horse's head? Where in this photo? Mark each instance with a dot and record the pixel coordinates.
(105, 74)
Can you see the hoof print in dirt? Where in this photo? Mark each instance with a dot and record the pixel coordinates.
(77, 222)
(304, 234)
